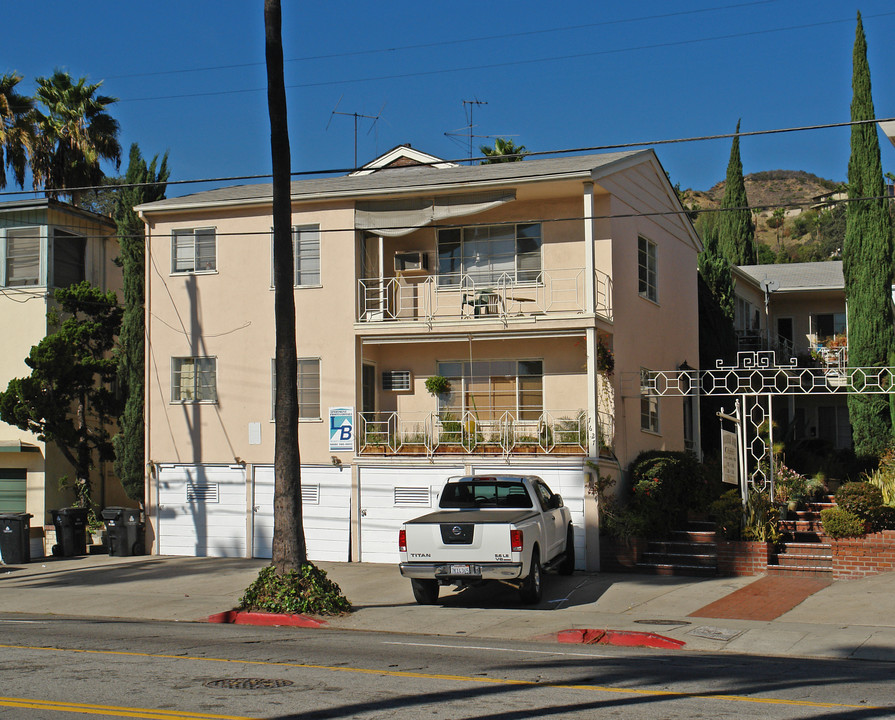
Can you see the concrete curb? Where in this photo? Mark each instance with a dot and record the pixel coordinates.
(238, 617)
(619, 638)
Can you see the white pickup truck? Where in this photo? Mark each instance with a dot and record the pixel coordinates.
(500, 527)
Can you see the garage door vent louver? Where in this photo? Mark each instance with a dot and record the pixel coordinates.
(396, 380)
(418, 496)
(202, 492)
(310, 494)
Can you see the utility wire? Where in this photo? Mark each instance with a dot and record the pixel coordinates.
(458, 41)
(522, 174)
(510, 63)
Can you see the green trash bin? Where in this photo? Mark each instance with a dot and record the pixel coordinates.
(71, 531)
(15, 541)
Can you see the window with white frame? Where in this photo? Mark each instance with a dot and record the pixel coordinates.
(647, 269)
(649, 404)
(306, 248)
(22, 257)
(193, 379)
(487, 254)
(491, 388)
(193, 250)
(308, 388)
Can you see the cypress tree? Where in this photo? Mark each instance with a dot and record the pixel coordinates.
(867, 261)
(129, 442)
(736, 232)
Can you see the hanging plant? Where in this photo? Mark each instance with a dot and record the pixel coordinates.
(605, 359)
(438, 385)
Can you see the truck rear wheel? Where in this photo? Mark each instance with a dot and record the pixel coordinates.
(425, 592)
(532, 589)
(567, 566)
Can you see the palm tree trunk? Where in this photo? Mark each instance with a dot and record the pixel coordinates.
(289, 550)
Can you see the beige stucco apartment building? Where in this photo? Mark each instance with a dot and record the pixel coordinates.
(520, 283)
(45, 244)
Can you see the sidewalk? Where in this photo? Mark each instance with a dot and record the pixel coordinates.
(847, 618)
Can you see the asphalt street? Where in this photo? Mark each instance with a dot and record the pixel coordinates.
(72, 667)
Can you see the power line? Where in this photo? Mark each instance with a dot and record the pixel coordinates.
(512, 63)
(443, 43)
(510, 178)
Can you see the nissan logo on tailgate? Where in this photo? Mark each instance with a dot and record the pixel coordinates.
(457, 530)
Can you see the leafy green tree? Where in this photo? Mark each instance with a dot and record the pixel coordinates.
(68, 397)
(503, 151)
(736, 231)
(867, 261)
(72, 135)
(15, 129)
(142, 183)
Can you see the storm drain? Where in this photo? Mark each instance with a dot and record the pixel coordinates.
(248, 683)
(662, 622)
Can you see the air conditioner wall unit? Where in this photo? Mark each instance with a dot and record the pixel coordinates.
(411, 261)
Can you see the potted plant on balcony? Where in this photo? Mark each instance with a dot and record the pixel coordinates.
(438, 385)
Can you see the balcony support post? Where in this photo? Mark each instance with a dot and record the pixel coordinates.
(590, 296)
(593, 389)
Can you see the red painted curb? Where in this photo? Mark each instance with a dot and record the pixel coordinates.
(620, 638)
(237, 617)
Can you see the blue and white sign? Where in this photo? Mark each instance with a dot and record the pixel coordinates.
(341, 428)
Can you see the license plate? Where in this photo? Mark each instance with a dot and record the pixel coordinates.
(461, 570)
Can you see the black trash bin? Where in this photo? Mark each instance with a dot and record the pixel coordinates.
(124, 530)
(71, 531)
(15, 540)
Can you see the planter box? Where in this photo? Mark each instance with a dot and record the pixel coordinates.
(620, 554)
(742, 557)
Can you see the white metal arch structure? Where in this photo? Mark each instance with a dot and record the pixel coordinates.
(755, 380)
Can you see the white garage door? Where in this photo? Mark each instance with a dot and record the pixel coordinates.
(202, 511)
(568, 482)
(390, 497)
(325, 509)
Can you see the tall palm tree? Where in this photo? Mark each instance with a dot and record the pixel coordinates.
(503, 151)
(72, 135)
(15, 129)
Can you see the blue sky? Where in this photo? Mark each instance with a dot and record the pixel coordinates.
(191, 79)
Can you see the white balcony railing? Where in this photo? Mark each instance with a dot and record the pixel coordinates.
(431, 298)
(392, 433)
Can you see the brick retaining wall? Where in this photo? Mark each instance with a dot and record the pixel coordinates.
(742, 557)
(863, 556)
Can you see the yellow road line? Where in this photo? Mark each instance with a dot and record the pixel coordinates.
(462, 678)
(130, 712)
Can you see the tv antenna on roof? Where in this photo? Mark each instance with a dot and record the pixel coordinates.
(356, 115)
(468, 107)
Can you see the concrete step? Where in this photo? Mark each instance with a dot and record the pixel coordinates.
(679, 547)
(684, 570)
(694, 536)
(799, 571)
(680, 559)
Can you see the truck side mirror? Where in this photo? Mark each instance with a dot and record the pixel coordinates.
(557, 501)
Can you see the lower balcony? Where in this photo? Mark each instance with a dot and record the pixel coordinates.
(446, 433)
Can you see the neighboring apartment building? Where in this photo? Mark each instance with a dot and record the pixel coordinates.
(45, 244)
(516, 282)
(798, 310)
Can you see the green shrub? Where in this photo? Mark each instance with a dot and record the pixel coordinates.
(840, 523)
(727, 512)
(665, 485)
(860, 498)
(307, 590)
(885, 518)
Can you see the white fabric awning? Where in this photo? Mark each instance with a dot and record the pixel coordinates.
(394, 218)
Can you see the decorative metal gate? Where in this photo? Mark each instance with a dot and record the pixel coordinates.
(755, 381)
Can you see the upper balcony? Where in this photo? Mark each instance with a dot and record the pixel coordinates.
(434, 299)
